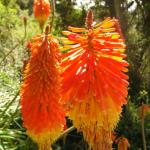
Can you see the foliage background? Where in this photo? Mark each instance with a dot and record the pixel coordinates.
(134, 16)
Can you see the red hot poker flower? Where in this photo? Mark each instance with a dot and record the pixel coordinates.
(41, 10)
(93, 81)
(42, 114)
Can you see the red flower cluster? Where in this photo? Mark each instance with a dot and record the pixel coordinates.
(42, 114)
(94, 87)
(92, 83)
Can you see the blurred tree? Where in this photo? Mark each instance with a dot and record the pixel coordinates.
(68, 14)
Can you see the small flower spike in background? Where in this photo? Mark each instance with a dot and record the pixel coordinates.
(94, 85)
(42, 114)
(41, 10)
(123, 143)
(143, 111)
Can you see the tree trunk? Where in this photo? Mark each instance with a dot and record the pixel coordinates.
(117, 5)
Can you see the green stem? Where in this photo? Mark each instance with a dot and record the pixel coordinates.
(9, 104)
(53, 15)
(9, 53)
(25, 34)
(65, 132)
(12, 117)
(142, 125)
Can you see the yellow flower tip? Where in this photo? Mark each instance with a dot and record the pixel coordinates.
(66, 32)
(75, 29)
(92, 121)
(46, 138)
(101, 140)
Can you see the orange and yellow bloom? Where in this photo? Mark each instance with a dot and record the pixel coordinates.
(94, 85)
(42, 114)
(41, 11)
(123, 143)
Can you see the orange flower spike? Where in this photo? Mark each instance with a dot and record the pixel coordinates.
(41, 10)
(42, 114)
(144, 108)
(94, 85)
(123, 143)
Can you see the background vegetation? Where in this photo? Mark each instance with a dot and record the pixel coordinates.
(134, 16)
